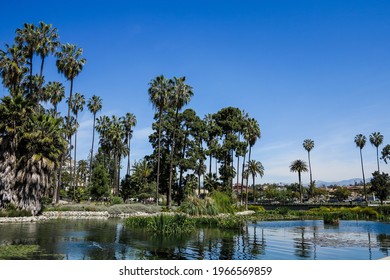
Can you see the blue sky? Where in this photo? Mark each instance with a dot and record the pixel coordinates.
(303, 69)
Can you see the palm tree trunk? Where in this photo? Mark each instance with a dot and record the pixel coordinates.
(210, 173)
(377, 158)
(300, 186)
(128, 157)
(242, 177)
(93, 140)
(75, 155)
(246, 198)
(311, 178)
(41, 75)
(364, 179)
(169, 197)
(119, 175)
(254, 192)
(159, 155)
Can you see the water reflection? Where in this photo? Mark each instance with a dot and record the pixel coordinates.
(110, 240)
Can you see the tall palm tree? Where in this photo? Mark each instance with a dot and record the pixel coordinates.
(158, 96)
(27, 38)
(376, 139)
(12, 68)
(129, 121)
(54, 92)
(360, 141)
(299, 166)
(116, 135)
(254, 167)
(70, 64)
(180, 95)
(94, 106)
(77, 106)
(308, 144)
(251, 134)
(47, 43)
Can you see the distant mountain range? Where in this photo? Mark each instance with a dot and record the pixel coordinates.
(341, 183)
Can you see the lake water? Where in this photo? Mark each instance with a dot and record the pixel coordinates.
(276, 240)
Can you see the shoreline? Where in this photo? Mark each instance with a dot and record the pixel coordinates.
(51, 215)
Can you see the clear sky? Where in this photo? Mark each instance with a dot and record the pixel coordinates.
(303, 69)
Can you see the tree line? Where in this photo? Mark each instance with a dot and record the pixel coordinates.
(38, 145)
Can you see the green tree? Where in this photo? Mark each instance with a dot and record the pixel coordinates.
(251, 134)
(159, 97)
(99, 182)
(254, 167)
(47, 43)
(386, 153)
(341, 193)
(70, 63)
(380, 185)
(376, 139)
(179, 95)
(54, 92)
(308, 144)
(360, 141)
(299, 166)
(12, 68)
(27, 39)
(129, 121)
(94, 105)
(77, 106)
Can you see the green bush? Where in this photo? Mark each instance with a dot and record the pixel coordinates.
(331, 218)
(194, 206)
(223, 202)
(116, 200)
(282, 211)
(255, 208)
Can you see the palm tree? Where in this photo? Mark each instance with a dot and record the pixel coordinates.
(47, 42)
(376, 139)
(116, 135)
(254, 167)
(54, 92)
(299, 166)
(251, 134)
(77, 106)
(27, 38)
(360, 141)
(94, 106)
(129, 121)
(308, 144)
(158, 96)
(70, 64)
(12, 68)
(180, 95)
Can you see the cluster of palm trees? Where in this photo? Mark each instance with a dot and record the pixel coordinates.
(183, 140)
(35, 142)
(376, 139)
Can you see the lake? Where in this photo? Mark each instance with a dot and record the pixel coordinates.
(94, 239)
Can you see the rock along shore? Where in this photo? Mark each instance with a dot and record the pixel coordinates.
(50, 215)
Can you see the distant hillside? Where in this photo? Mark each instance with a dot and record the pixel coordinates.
(341, 183)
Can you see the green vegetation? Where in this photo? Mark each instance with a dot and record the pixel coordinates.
(17, 252)
(182, 224)
(38, 145)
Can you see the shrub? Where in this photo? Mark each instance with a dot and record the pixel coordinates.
(194, 206)
(255, 208)
(116, 200)
(223, 202)
(331, 218)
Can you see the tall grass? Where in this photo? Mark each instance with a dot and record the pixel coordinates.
(182, 224)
